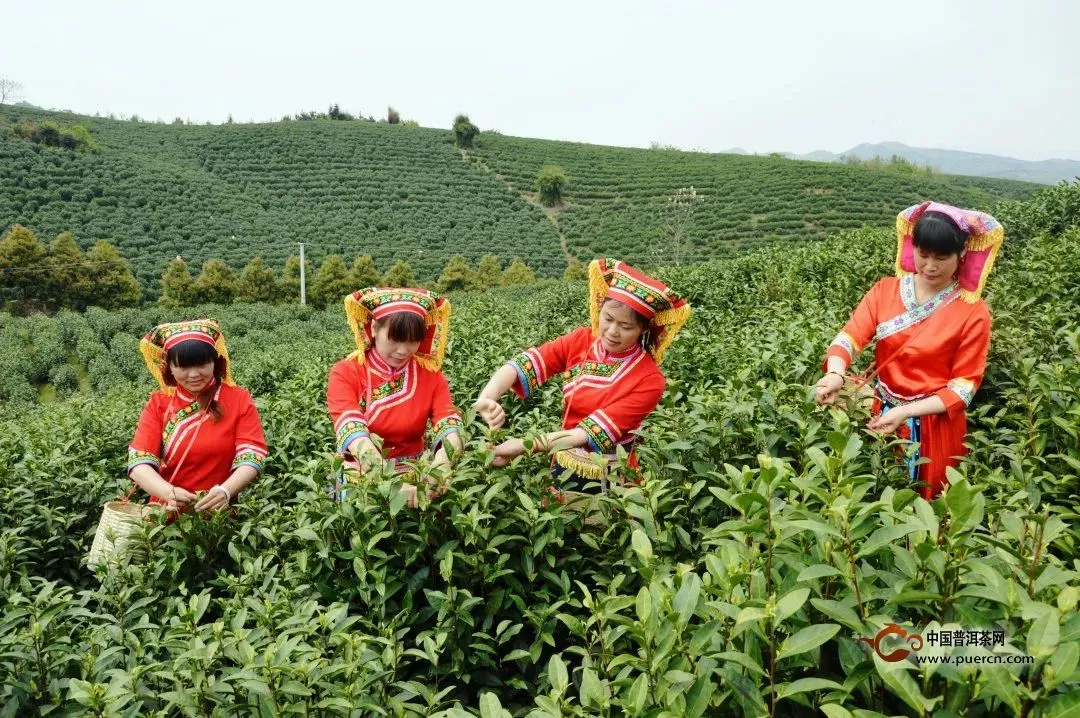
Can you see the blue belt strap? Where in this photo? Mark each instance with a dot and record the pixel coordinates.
(914, 425)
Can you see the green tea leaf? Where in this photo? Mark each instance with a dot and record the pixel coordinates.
(557, 676)
(699, 696)
(807, 639)
(791, 603)
(885, 536)
(686, 599)
(490, 707)
(1044, 634)
(592, 691)
(643, 604)
(903, 686)
(806, 685)
(642, 545)
(639, 693)
(1064, 705)
(818, 570)
(746, 693)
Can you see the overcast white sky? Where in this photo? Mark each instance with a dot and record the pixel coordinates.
(977, 75)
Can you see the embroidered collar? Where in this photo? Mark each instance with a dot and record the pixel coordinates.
(603, 372)
(186, 397)
(908, 296)
(603, 355)
(915, 312)
(381, 367)
(389, 389)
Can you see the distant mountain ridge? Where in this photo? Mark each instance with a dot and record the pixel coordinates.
(958, 162)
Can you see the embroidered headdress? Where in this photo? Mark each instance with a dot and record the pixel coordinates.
(155, 346)
(985, 236)
(666, 310)
(367, 305)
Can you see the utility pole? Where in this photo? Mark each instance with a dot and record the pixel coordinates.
(303, 279)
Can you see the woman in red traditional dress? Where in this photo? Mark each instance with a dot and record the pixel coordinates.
(200, 432)
(611, 371)
(932, 334)
(391, 387)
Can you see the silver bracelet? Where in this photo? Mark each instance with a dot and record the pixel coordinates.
(222, 489)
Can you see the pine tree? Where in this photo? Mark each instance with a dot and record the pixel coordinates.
(257, 283)
(517, 273)
(364, 273)
(332, 282)
(217, 284)
(22, 265)
(576, 270)
(488, 272)
(69, 278)
(457, 276)
(399, 275)
(177, 286)
(112, 285)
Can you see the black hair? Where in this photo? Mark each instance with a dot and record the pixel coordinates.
(644, 324)
(936, 232)
(404, 327)
(192, 352)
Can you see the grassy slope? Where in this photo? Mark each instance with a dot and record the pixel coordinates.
(234, 191)
(617, 194)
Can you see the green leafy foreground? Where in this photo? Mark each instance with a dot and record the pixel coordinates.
(767, 537)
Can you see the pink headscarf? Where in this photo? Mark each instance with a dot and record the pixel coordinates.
(985, 237)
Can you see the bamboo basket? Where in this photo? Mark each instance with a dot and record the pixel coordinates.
(120, 521)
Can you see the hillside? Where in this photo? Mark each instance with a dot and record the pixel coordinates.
(617, 195)
(236, 191)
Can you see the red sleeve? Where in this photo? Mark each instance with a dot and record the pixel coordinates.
(969, 363)
(343, 393)
(445, 417)
(146, 445)
(613, 424)
(250, 441)
(860, 328)
(538, 364)
(145, 448)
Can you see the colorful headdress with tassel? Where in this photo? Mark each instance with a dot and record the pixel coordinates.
(155, 346)
(985, 237)
(666, 310)
(367, 305)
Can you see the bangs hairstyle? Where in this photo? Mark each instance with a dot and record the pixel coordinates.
(640, 319)
(403, 327)
(189, 353)
(192, 352)
(936, 232)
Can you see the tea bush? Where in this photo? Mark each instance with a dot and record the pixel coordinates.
(767, 537)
